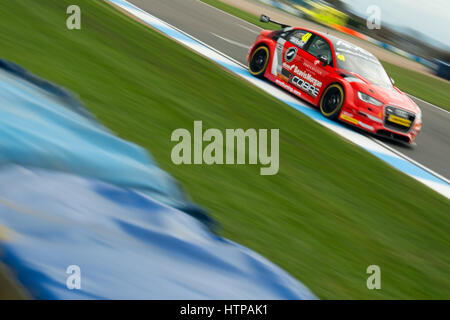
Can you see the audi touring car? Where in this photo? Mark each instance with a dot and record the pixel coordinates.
(344, 81)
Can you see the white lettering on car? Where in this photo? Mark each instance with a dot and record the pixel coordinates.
(311, 85)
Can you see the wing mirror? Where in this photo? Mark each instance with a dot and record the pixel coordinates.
(264, 18)
(323, 59)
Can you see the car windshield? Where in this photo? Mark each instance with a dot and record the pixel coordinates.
(362, 62)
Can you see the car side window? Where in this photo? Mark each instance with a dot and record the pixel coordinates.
(299, 38)
(320, 47)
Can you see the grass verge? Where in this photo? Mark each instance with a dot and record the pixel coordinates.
(244, 15)
(427, 88)
(331, 211)
(9, 289)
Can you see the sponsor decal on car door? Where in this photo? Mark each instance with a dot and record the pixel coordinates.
(309, 75)
(313, 70)
(289, 63)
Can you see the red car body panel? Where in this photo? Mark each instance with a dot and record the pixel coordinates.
(356, 112)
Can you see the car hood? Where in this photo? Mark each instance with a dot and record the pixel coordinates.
(388, 96)
(393, 97)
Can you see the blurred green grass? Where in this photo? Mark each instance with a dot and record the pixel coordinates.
(9, 288)
(433, 90)
(330, 212)
(430, 89)
(244, 15)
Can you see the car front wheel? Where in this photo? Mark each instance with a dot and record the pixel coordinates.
(332, 101)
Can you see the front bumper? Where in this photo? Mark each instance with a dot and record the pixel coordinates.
(385, 124)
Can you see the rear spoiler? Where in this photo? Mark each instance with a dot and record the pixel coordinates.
(266, 19)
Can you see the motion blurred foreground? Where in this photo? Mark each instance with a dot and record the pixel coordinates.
(74, 194)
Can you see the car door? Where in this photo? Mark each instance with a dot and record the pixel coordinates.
(316, 72)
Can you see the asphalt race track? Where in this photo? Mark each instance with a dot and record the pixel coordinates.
(233, 37)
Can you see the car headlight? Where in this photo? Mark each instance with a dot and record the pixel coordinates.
(366, 98)
(419, 115)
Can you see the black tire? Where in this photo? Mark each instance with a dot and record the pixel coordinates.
(332, 100)
(258, 61)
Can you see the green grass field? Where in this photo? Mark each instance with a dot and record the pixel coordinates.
(330, 212)
(9, 289)
(242, 14)
(425, 87)
(420, 85)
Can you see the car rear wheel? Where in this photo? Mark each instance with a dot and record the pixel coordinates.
(258, 61)
(331, 101)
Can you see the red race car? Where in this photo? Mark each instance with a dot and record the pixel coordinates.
(345, 81)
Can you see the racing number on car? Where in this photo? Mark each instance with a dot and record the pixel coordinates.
(300, 38)
(306, 37)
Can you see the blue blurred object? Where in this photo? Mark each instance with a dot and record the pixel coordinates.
(44, 126)
(443, 69)
(74, 194)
